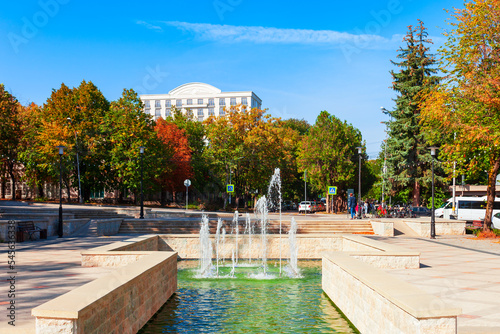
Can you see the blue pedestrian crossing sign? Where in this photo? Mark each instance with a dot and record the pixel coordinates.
(230, 188)
(332, 190)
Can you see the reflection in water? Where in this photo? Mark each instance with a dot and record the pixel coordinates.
(243, 305)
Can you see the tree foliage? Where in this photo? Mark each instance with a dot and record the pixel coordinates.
(179, 167)
(10, 136)
(407, 154)
(463, 112)
(249, 145)
(328, 153)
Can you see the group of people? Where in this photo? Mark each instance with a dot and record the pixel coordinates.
(356, 209)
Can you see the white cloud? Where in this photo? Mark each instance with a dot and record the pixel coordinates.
(149, 25)
(232, 34)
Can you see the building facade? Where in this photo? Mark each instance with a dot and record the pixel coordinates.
(202, 99)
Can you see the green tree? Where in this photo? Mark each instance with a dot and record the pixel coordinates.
(407, 155)
(463, 112)
(127, 128)
(10, 136)
(328, 153)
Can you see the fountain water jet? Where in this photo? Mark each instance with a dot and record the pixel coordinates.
(206, 265)
(275, 189)
(261, 212)
(217, 239)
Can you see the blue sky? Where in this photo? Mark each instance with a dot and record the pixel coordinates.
(299, 57)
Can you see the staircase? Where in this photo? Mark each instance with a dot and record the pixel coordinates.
(192, 226)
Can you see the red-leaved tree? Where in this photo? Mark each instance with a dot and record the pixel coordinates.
(179, 168)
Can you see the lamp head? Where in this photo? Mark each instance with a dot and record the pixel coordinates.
(141, 149)
(360, 149)
(433, 150)
(61, 149)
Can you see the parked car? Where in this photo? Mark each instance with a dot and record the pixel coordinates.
(421, 211)
(306, 206)
(321, 206)
(288, 205)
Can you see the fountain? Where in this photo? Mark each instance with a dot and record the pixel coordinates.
(261, 219)
(228, 297)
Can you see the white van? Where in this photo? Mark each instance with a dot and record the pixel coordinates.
(469, 209)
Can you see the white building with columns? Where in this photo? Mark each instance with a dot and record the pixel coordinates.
(202, 99)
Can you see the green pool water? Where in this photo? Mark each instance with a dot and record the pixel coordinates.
(245, 305)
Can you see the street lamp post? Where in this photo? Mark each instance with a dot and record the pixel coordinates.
(60, 224)
(141, 151)
(433, 218)
(305, 192)
(359, 183)
(80, 198)
(387, 112)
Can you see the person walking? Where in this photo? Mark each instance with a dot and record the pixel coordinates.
(352, 204)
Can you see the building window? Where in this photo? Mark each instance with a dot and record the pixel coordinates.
(168, 103)
(211, 112)
(158, 104)
(200, 101)
(244, 101)
(157, 113)
(221, 111)
(222, 102)
(211, 102)
(147, 104)
(178, 103)
(167, 113)
(189, 102)
(200, 114)
(233, 101)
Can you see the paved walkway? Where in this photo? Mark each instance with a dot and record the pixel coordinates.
(462, 271)
(45, 269)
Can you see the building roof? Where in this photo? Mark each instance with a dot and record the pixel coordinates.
(195, 88)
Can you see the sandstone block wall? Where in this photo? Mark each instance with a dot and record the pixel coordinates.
(376, 302)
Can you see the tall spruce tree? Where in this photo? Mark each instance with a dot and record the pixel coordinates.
(408, 158)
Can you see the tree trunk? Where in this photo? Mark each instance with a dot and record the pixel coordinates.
(163, 197)
(13, 182)
(68, 190)
(41, 193)
(490, 193)
(416, 193)
(3, 187)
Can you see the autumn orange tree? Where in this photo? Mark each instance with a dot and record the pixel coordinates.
(178, 168)
(463, 112)
(249, 145)
(50, 126)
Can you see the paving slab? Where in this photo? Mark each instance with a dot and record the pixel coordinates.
(462, 271)
(44, 269)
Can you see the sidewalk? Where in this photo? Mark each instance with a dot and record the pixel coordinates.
(45, 269)
(462, 271)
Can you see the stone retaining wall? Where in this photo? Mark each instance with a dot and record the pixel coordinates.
(121, 302)
(108, 226)
(70, 226)
(309, 246)
(376, 302)
(443, 226)
(383, 228)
